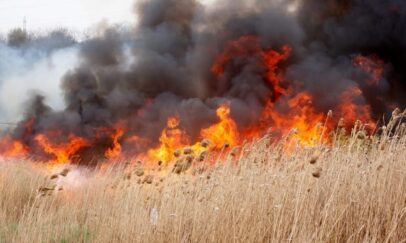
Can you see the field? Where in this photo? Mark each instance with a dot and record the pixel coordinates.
(353, 190)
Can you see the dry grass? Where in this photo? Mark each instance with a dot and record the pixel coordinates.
(354, 191)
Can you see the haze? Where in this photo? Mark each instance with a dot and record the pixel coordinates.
(73, 14)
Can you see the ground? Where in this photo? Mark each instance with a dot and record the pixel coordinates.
(350, 190)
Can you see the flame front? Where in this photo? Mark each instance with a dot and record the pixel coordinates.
(61, 153)
(287, 107)
(300, 116)
(10, 147)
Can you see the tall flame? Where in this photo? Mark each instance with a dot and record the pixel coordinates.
(115, 150)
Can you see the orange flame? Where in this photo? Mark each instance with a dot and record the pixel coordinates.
(115, 150)
(371, 65)
(287, 108)
(172, 138)
(273, 59)
(300, 116)
(352, 111)
(250, 46)
(224, 132)
(61, 152)
(12, 148)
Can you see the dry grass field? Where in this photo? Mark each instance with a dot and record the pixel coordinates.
(351, 191)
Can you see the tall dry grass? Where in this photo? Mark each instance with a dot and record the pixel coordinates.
(354, 191)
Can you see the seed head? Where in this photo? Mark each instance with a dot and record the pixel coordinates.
(65, 172)
(189, 158)
(46, 189)
(341, 123)
(361, 135)
(187, 151)
(127, 176)
(148, 179)
(317, 172)
(139, 171)
(205, 143)
(202, 156)
(396, 113)
(234, 151)
(315, 157)
(177, 153)
(330, 114)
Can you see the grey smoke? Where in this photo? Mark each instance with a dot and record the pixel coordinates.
(161, 67)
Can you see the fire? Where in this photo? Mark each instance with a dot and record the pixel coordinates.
(371, 65)
(12, 148)
(61, 152)
(273, 59)
(174, 139)
(287, 108)
(171, 139)
(351, 110)
(300, 116)
(246, 45)
(298, 110)
(224, 132)
(115, 150)
(250, 46)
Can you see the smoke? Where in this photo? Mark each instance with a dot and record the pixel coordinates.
(33, 64)
(340, 29)
(164, 67)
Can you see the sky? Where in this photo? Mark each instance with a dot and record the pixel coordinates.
(77, 15)
(73, 14)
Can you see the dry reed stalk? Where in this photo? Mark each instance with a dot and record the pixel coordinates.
(262, 202)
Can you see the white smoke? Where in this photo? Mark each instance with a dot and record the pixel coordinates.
(25, 71)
